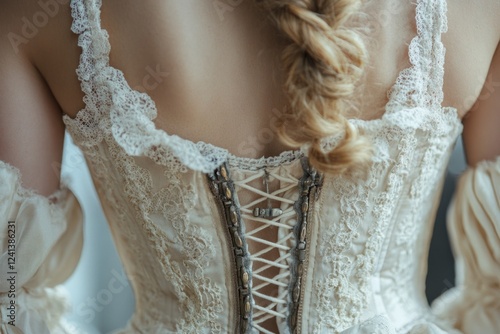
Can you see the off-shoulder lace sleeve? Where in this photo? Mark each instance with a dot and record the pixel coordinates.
(40, 244)
(474, 227)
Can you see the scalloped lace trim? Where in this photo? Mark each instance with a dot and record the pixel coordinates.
(112, 106)
(421, 84)
(53, 200)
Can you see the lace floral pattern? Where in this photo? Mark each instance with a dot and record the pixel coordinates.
(90, 130)
(148, 182)
(342, 297)
(421, 85)
(173, 202)
(132, 114)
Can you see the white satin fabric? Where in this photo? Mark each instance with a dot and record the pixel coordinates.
(366, 258)
(48, 243)
(474, 227)
(368, 236)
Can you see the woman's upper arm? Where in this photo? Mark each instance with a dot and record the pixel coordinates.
(481, 133)
(31, 127)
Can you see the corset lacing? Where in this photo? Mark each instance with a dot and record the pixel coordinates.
(264, 268)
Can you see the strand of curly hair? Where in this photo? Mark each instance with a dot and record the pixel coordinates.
(322, 63)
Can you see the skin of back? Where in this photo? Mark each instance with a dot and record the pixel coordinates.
(209, 69)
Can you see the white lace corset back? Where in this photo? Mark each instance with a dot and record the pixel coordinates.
(350, 248)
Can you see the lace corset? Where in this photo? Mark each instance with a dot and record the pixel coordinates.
(338, 251)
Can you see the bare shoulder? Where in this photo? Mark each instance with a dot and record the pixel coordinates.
(471, 40)
(26, 24)
(480, 19)
(26, 98)
(487, 10)
(479, 31)
(39, 33)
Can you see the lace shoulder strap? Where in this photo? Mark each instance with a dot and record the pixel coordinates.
(92, 39)
(113, 107)
(421, 85)
(91, 72)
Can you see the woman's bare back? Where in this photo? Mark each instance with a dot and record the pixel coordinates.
(213, 70)
(212, 67)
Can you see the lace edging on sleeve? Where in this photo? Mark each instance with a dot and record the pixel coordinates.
(40, 246)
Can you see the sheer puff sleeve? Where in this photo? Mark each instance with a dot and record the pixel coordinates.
(41, 240)
(474, 228)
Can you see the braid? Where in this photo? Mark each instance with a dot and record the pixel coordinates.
(323, 62)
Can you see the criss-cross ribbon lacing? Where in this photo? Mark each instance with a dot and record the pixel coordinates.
(265, 306)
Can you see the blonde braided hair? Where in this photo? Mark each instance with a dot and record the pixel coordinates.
(322, 63)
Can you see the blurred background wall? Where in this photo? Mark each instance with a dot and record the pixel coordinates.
(101, 295)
